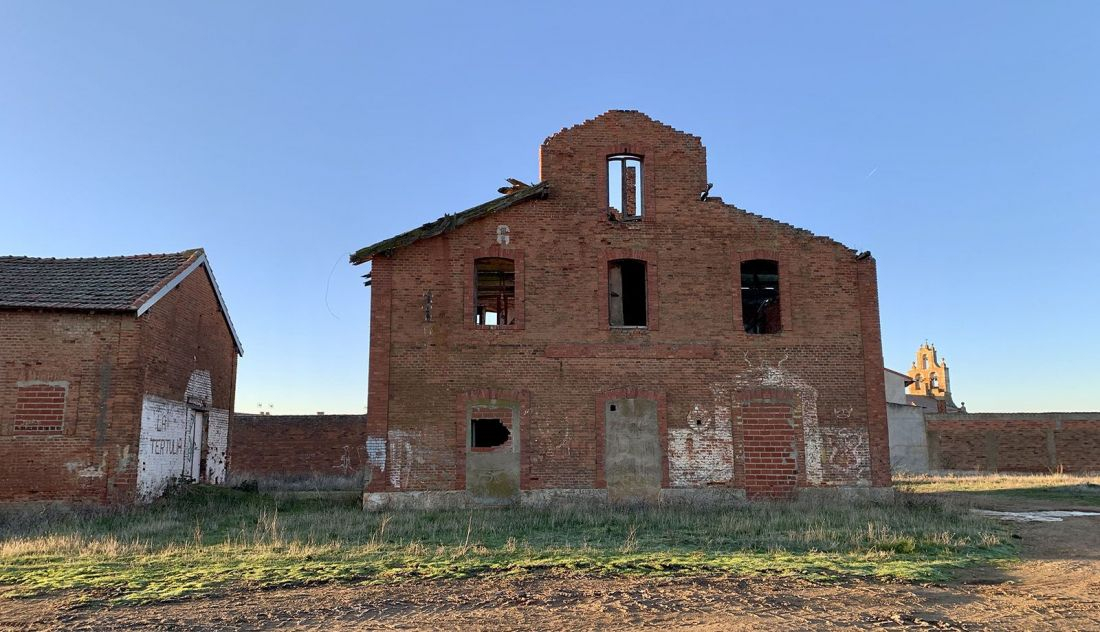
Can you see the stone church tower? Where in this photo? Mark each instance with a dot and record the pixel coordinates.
(929, 374)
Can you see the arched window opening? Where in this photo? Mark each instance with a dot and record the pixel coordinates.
(624, 186)
(495, 291)
(935, 381)
(924, 362)
(626, 293)
(760, 296)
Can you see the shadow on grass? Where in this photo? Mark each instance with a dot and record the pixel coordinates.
(1012, 491)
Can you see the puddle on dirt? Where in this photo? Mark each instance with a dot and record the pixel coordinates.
(1034, 516)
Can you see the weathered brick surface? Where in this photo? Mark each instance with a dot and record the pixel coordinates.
(286, 445)
(106, 361)
(771, 443)
(1015, 442)
(695, 353)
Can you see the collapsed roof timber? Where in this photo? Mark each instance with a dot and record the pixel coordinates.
(450, 222)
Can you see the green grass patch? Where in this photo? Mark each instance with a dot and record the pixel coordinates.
(1067, 489)
(206, 539)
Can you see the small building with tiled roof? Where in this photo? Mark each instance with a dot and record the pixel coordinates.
(117, 375)
(616, 333)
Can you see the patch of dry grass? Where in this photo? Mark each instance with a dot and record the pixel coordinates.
(204, 539)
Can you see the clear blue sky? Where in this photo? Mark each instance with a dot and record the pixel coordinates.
(959, 142)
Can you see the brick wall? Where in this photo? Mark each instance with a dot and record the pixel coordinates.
(695, 352)
(40, 407)
(1014, 442)
(92, 358)
(771, 443)
(279, 446)
(189, 362)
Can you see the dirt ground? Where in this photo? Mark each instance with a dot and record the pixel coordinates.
(1056, 587)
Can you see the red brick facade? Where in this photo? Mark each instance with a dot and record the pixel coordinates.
(72, 385)
(693, 359)
(1014, 442)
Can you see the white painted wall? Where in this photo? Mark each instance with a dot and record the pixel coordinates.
(161, 449)
(170, 445)
(703, 452)
(217, 442)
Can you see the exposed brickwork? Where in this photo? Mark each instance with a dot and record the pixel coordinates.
(40, 408)
(287, 445)
(771, 450)
(109, 361)
(694, 355)
(1015, 442)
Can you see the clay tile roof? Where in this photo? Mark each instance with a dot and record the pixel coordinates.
(102, 283)
(448, 223)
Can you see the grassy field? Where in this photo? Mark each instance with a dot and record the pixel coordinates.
(205, 539)
(1070, 489)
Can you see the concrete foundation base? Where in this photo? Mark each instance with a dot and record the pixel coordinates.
(697, 497)
(846, 494)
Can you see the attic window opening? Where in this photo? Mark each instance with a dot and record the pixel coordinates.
(626, 293)
(760, 296)
(488, 433)
(624, 186)
(495, 291)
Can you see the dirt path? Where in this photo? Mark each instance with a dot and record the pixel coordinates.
(1057, 587)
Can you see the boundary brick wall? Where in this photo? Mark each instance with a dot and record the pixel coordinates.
(1014, 442)
(280, 446)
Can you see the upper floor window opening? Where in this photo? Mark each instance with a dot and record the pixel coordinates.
(760, 310)
(626, 293)
(494, 291)
(924, 362)
(624, 186)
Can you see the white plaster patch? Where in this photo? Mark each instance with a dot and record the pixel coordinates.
(217, 443)
(85, 470)
(376, 452)
(405, 454)
(703, 452)
(199, 392)
(847, 455)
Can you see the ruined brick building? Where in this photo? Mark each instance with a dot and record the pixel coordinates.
(116, 375)
(613, 332)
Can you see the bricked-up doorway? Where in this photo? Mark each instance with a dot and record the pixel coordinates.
(633, 460)
(771, 450)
